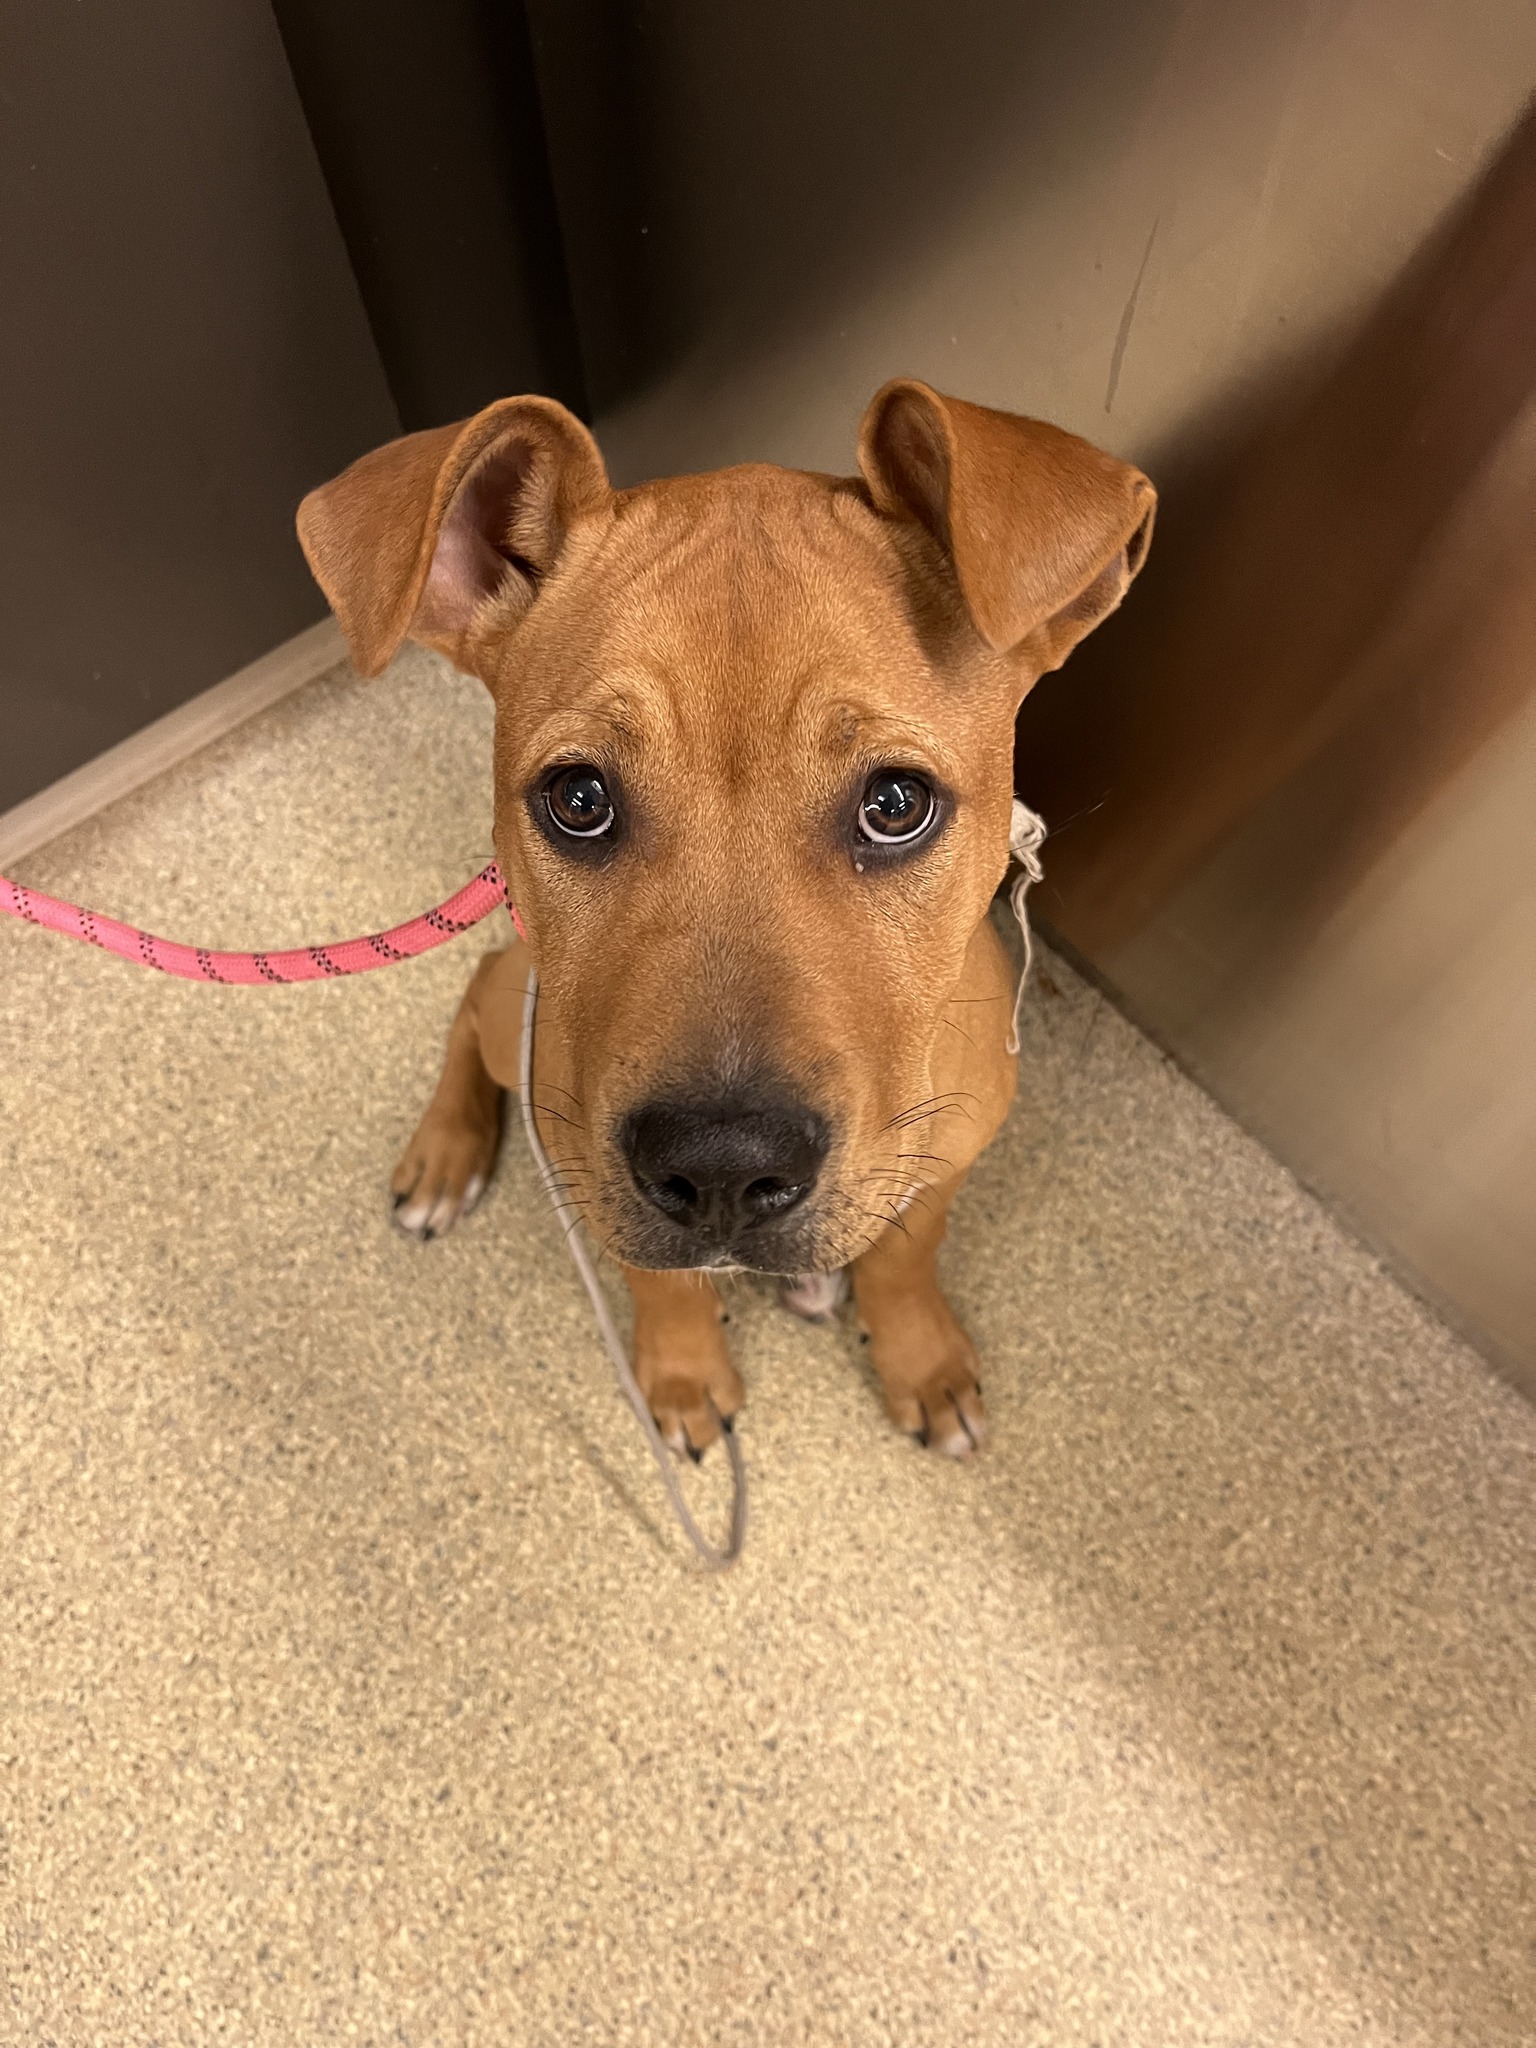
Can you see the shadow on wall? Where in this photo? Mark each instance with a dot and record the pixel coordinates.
(1248, 649)
(425, 116)
(841, 136)
(1293, 784)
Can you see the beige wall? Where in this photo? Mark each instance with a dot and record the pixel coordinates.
(1245, 244)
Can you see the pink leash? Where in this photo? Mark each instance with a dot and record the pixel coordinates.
(477, 899)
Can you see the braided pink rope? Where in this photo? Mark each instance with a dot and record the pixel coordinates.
(300, 963)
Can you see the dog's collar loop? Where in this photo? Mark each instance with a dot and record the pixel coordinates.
(1026, 836)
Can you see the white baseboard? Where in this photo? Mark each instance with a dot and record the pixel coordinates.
(148, 753)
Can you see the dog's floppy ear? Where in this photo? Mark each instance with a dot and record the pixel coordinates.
(413, 538)
(1044, 531)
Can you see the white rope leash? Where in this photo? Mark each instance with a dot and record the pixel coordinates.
(1026, 834)
(713, 1559)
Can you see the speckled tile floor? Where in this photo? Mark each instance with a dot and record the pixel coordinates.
(353, 1685)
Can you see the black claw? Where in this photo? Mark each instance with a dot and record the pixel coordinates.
(428, 1234)
(398, 1201)
(695, 1453)
(725, 1315)
(728, 1424)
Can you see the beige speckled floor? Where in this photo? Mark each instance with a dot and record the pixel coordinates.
(354, 1687)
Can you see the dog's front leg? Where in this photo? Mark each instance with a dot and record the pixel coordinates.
(444, 1169)
(680, 1357)
(926, 1363)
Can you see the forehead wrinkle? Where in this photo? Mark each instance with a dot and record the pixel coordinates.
(669, 558)
(668, 528)
(612, 708)
(673, 538)
(750, 564)
(804, 548)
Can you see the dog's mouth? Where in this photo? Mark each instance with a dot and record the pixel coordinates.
(640, 1242)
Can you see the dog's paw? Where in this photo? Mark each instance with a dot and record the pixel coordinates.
(689, 1383)
(943, 1410)
(814, 1297)
(441, 1175)
(691, 1413)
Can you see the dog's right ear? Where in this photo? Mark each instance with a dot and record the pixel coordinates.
(412, 539)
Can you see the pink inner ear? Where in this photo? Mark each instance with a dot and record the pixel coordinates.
(474, 554)
(465, 569)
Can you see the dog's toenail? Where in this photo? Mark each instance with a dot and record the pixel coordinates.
(398, 1201)
(728, 1424)
(428, 1234)
(695, 1453)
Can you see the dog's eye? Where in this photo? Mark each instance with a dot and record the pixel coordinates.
(577, 800)
(895, 806)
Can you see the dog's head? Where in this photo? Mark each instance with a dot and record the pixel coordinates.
(754, 742)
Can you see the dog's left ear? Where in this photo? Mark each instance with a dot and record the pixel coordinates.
(1045, 532)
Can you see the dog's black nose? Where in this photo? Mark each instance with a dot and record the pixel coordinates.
(721, 1169)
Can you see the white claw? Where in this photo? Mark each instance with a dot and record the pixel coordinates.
(431, 1218)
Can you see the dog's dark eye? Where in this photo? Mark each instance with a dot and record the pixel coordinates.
(895, 806)
(577, 800)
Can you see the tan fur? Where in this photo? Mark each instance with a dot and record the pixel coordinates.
(740, 652)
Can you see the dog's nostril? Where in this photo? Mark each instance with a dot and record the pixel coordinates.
(674, 1195)
(768, 1196)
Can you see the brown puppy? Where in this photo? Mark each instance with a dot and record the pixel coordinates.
(754, 741)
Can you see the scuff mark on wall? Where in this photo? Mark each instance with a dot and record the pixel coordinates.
(1117, 356)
